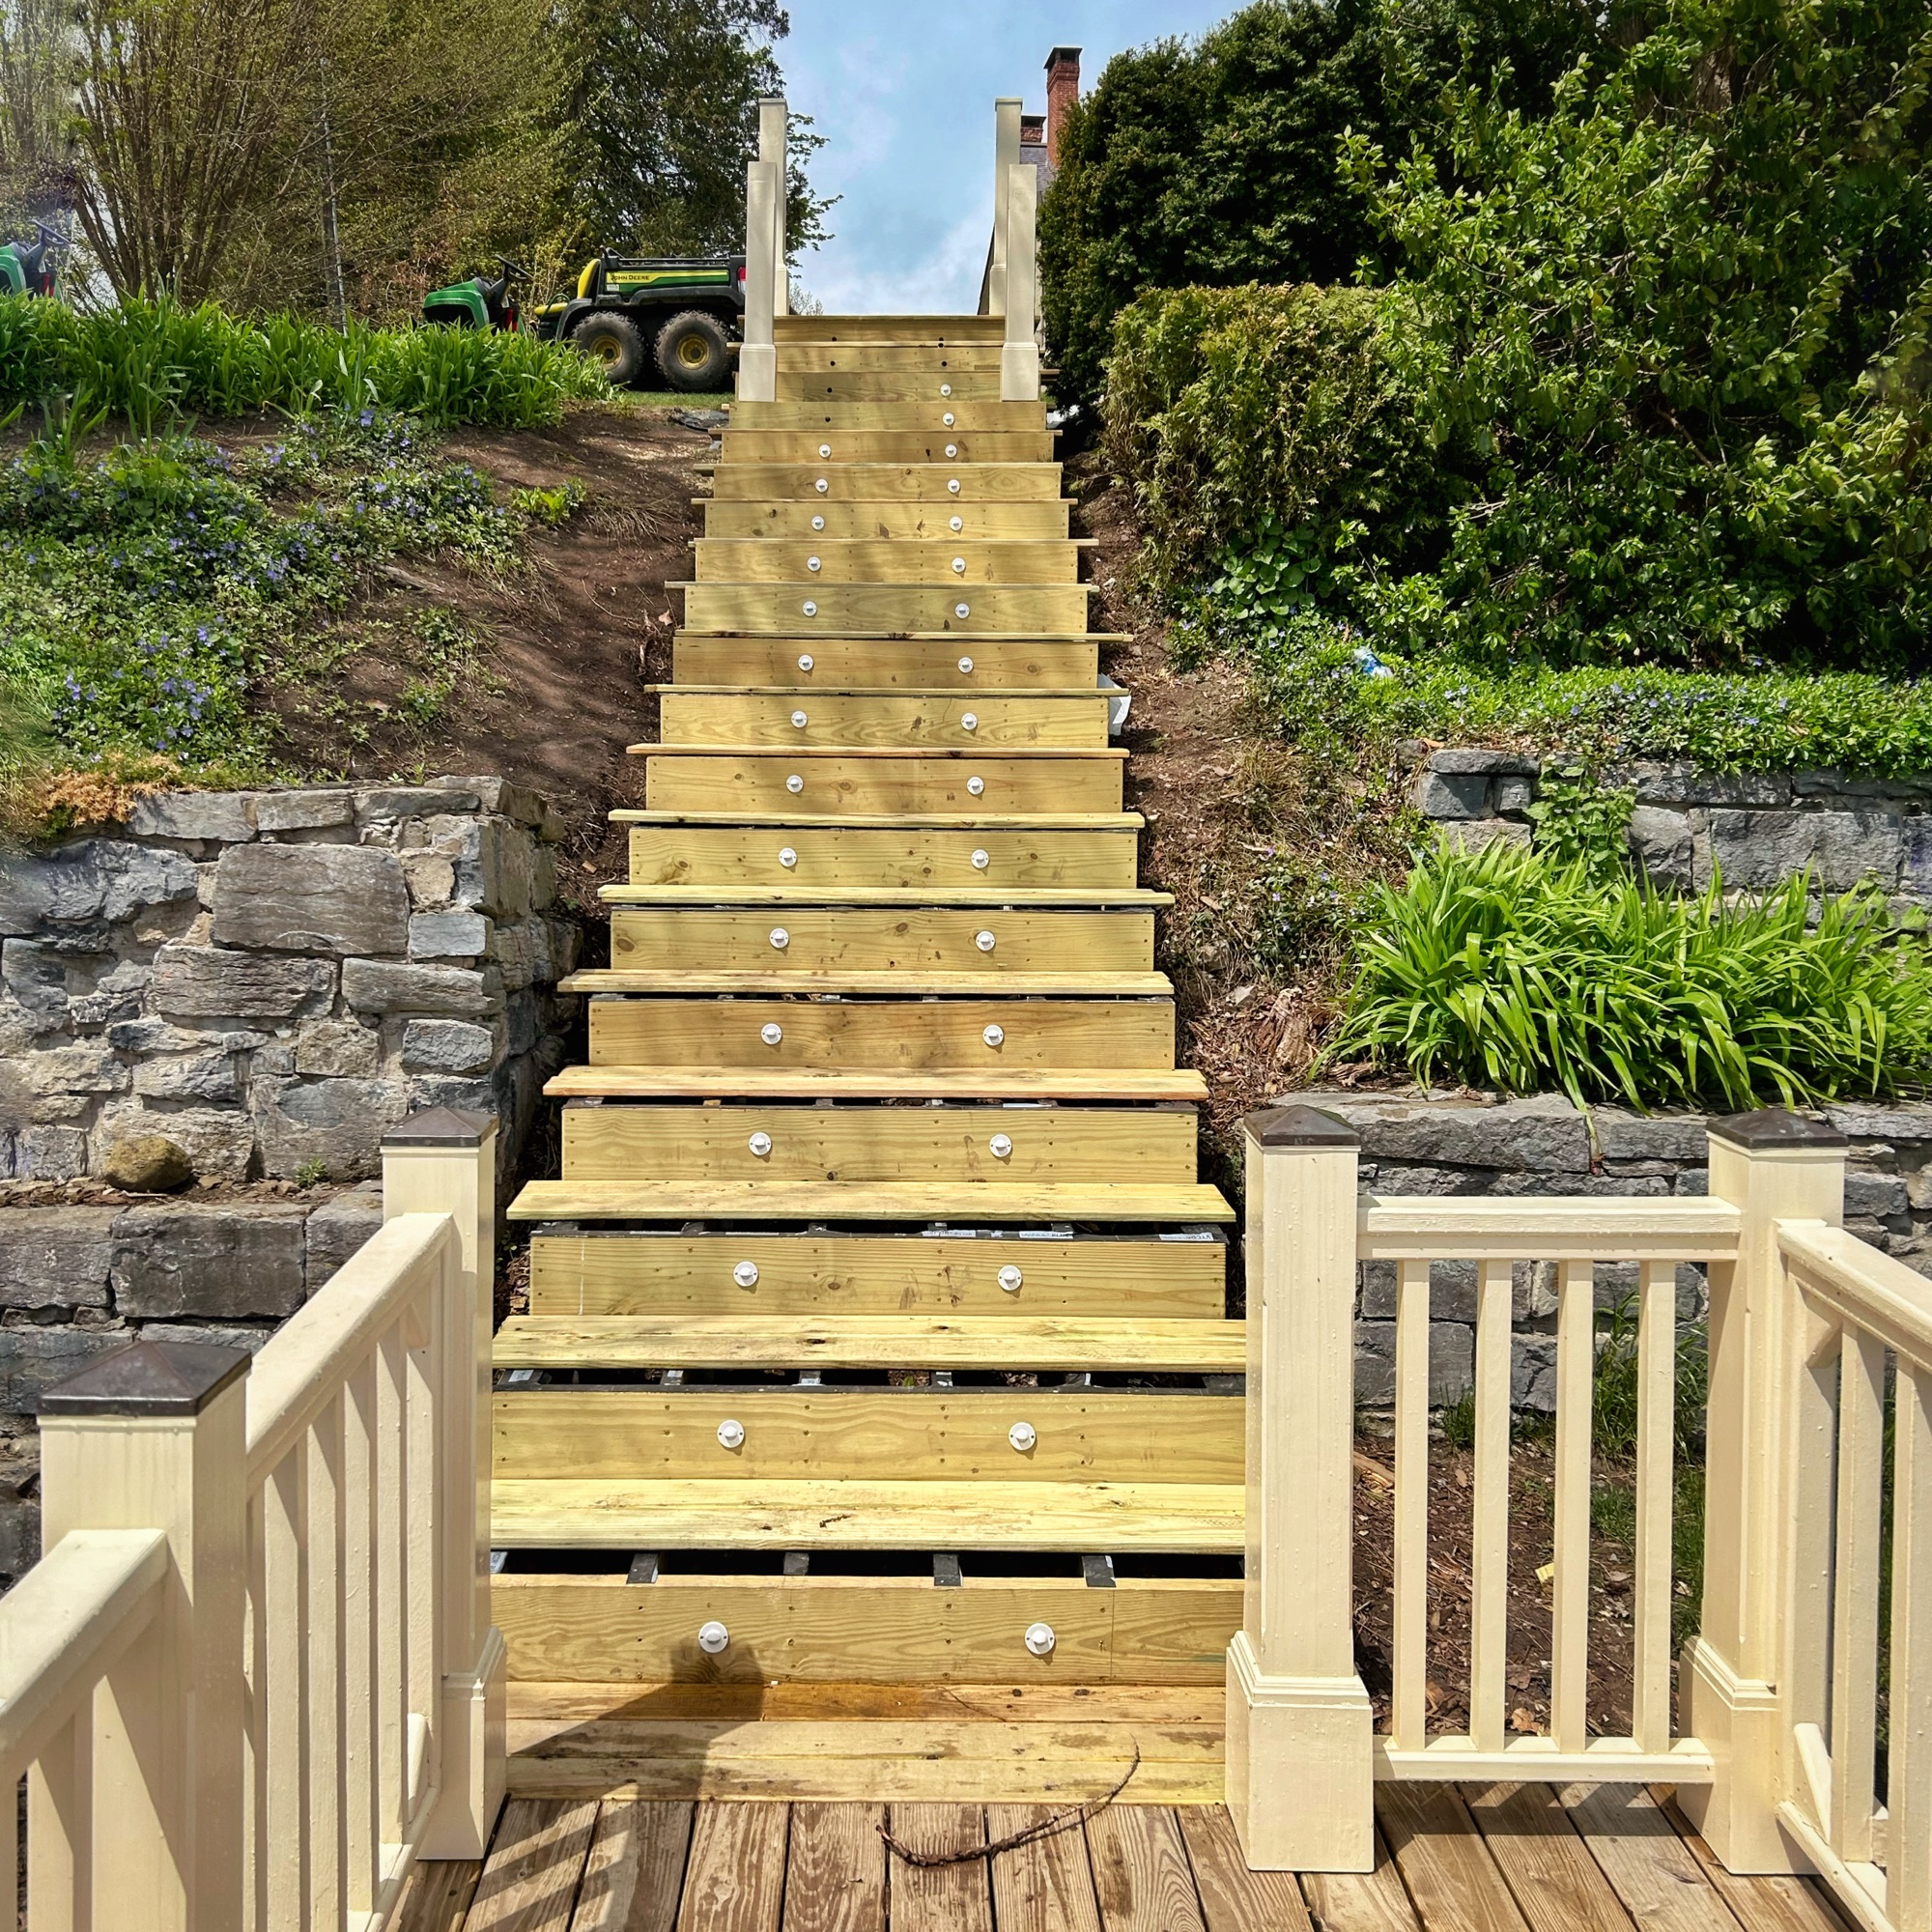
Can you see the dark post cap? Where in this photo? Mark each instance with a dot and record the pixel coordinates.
(1774, 1128)
(149, 1378)
(441, 1128)
(1059, 54)
(1300, 1126)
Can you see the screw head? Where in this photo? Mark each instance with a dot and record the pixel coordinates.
(787, 858)
(954, 485)
(1039, 1640)
(984, 941)
(799, 720)
(731, 1434)
(794, 785)
(821, 485)
(977, 786)
(982, 859)
(746, 1274)
(1001, 1147)
(780, 938)
(1010, 1278)
(760, 1144)
(714, 1638)
(770, 1033)
(1022, 1435)
(805, 663)
(995, 1035)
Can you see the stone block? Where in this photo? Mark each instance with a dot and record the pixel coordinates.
(466, 1096)
(32, 1360)
(1515, 795)
(218, 1141)
(521, 1011)
(1604, 1186)
(1665, 1137)
(338, 1123)
(1544, 1133)
(304, 811)
(454, 992)
(431, 878)
(194, 1076)
(1452, 795)
(224, 1261)
(1757, 849)
(97, 879)
(1883, 1195)
(209, 817)
(1477, 834)
(336, 1230)
(1685, 785)
(1900, 1121)
(341, 1048)
(1452, 1363)
(413, 802)
(55, 1256)
(1467, 760)
(115, 996)
(451, 935)
(343, 900)
(1533, 1373)
(50, 1154)
(249, 1335)
(502, 796)
(86, 1066)
(1661, 844)
(36, 977)
(1693, 1181)
(212, 982)
(449, 1046)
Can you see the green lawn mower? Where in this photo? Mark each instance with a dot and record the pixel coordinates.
(480, 302)
(33, 267)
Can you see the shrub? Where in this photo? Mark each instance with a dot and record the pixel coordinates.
(150, 363)
(1502, 968)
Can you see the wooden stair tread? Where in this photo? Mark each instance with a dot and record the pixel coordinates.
(861, 1083)
(854, 1513)
(949, 691)
(970, 754)
(969, 1202)
(896, 821)
(1073, 1344)
(914, 985)
(956, 640)
(736, 892)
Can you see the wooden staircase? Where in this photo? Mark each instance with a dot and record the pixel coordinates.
(876, 1330)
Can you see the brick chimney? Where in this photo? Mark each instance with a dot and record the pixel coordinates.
(1062, 90)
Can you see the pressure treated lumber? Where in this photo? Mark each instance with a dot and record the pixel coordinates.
(1072, 1344)
(984, 664)
(925, 414)
(804, 898)
(958, 447)
(914, 982)
(951, 721)
(801, 853)
(737, 1083)
(835, 521)
(831, 783)
(915, 479)
(952, 610)
(1151, 1278)
(971, 1203)
(949, 558)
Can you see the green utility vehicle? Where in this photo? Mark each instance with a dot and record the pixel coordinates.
(480, 302)
(637, 313)
(33, 267)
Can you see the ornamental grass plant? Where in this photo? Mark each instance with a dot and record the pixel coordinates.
(1503, 969)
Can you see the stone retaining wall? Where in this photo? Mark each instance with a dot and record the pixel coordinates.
(271, 979)
(1757, 829)
(1412, 1144)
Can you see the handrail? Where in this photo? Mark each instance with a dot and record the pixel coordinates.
(1872, 1291)
(64, 1625)
(1429, 1227)
(297, 1373)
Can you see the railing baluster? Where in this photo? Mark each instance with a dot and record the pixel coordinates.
(1854, 1595)
(1489, 1547)
(327, 1849)
(1656, 1498)
(60, 1814)
(363, 1838)
(1805, 1677)
(422, 1504)
(284, 1881)
(391, 1651)
(1410, 1711)
(254, 1714)
(1570, 1599)
(1909, 1768)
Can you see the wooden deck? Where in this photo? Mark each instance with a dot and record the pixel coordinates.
(1496, 1859)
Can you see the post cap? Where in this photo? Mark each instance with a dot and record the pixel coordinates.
(1300, 1126)
(441, 1128)
(1770, 1128)
(149, 1378)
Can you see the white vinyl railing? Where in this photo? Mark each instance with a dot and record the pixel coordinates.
(1773, 1726)
(252, 1680)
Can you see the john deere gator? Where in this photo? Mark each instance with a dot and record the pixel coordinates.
(632, 312)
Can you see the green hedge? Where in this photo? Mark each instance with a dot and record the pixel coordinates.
(150, 363)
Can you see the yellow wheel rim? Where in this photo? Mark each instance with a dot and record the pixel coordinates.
(692, 350)
(607, 349)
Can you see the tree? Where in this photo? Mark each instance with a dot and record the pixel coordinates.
(37, 176)
(664, 117)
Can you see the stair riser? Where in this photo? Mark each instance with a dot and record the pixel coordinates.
(904, 1034)
(916, 383)
(925, 412)
(860, 939)
(862, 1274)
(861, 560)
(780, 608)
(839, 719)
(823, 519)
(894, 480)
(942, 364)
(875, 1629)
(875, 662)
(936, 331)
(857, 1436)
(835, 446)
(1155, 1146)
(830, 856)
(833, 787)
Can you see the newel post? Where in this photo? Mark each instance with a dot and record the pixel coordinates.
(757, 355)
(1770, 1166)
(774, 134)
(153, 1437)
(1005, 157)
(1301, 1758)
(444, 1162)
(1019, 358)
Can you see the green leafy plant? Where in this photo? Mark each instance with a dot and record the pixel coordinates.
(311, 1174)
(1580, 821)
(549, 507)
(1501, 969)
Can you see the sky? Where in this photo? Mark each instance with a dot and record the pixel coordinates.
(903, 92)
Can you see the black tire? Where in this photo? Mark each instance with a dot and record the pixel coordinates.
(694, 353)
(612, 340)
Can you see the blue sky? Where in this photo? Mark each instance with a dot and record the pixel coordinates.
(904, 95)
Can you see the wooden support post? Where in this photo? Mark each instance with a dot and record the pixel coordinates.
(757, 355)
(1005, 157)
(1300, 1763)
(139, 1818)
(774, 136)
(1772, 1166)
(444, 1162)
(1019, 360)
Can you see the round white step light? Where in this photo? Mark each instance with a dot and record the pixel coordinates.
(957, 524)
(1023, 1435)
(995, 1035)
(954, 485)
(799, 720)
(969, 721)
(806, 662)
(953, 449)
(984, 941)
(760, 1144)
(731, 1434)
(814, 563)
(977, 786)
(949, 419)
(965, 667)
(818, 522)
(770, 1033)
(1001, 1147)
(946, 388)
(960, 566)
(787, 858)
(1039, 1640)
(821, 485)
(824, 450)
(982, 859)
(780, 938)
(1011, 1279)
(714, 1640)
(962, 610)
(794, 785)
(746, 1274)
(811, 608)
